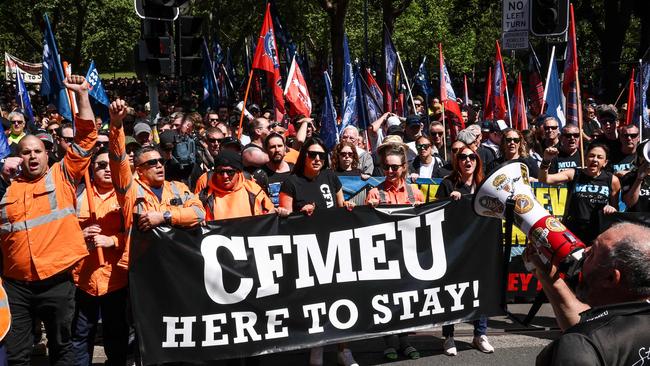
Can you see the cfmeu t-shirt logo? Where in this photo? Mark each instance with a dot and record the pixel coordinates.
(327, 195)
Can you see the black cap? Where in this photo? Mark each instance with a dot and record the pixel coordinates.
(395, 130)
(230, 141)
(229, 158)
(167, 137)
(412, 120)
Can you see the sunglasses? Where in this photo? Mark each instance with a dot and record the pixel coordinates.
(67, 139)
(101, 165)
(274, 125)
(516, 140)
(456, 150)
(229, 172)
(608, 122)
(313, 154)
(153, 162)
(550, 128)
(439, 134)
(346, 154)
(422, 146)
(18, 122)
(214, 119)
(213, 141)
(571, 135)
(631, 135)
(391, 167)
(463, 157)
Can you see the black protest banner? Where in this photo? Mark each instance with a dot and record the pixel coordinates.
(264, 284)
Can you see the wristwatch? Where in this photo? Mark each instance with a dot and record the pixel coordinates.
(168, 217)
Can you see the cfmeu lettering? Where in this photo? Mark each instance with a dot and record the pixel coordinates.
(371, 242)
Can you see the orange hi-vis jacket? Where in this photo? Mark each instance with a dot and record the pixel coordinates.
(246, 198)
(89, 275)
(5, 314)
(39, 230)
(135, 196)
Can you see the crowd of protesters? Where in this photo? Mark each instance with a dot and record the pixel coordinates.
(181, 168)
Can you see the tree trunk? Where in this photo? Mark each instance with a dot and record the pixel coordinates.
(337, 29)
(82, 10)
(617, 21)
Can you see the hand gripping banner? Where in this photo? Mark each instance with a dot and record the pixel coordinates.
(264, 284)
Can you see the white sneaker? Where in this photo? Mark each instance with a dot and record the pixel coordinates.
(482, 344)
(345, 358)
(316, 356)
(450, 346)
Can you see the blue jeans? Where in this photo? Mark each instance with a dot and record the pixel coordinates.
(112, 307)
(480, 327)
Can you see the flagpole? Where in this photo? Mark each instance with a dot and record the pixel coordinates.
(444, 132)
(243, 108)
(580, 126)
(407, 80)
(548, 76)
(641, 106)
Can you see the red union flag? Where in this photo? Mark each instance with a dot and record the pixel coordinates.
(296, 92)
(266, 58)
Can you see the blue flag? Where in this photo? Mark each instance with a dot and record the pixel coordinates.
(328, 131)
(642, 103)
(422, 78)
(372, 106)
(348, 74)
(52, 83)
(350, 111)
(553, 92)
(391, 66)
(22, 98)
(98, 98)
(210, 96)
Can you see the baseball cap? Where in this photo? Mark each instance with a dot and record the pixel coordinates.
(47, 139)
(395, 130)
(412, 120)
(393, 121)
(466, 136)
(140, 128)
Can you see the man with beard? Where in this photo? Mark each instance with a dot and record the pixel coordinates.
(277, 170)
(569, 156)
(206, 155)
(606, 321)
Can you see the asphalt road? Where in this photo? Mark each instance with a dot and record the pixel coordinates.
(514, 345)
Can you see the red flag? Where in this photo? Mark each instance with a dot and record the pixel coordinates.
(487, 105)
(519, 118)
(536, 89)
(631, 101)
(266, 58)
(571, 63)
(296, 92)
(499, 87)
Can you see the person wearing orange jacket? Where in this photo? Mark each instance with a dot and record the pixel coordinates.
(229, 194)
(101, 287)
(155, 200)
(41, 238)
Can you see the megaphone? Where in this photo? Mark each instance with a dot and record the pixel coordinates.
(646, 151)
(552, 239)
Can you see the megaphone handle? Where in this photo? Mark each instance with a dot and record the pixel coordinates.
(507, 250)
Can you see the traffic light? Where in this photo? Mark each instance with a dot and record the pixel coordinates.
(189, 45)
(549, 17)
(154, 49)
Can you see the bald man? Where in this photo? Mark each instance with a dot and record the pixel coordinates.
(41, 238)
(607, 320)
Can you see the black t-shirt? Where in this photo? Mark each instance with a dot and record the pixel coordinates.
(587, 196)
(643, 204)
(447, 186)
(624, 163)
(531, 163)
(275, 180)
(564, 161)
(321, 190)
(609, 335)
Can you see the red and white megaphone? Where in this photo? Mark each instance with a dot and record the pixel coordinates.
(551, 238)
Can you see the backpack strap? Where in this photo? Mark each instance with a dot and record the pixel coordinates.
(382, 193)
(208, 201)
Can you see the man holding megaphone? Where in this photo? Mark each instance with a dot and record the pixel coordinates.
(607, 320)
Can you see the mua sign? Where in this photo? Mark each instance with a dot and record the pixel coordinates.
(264, 284)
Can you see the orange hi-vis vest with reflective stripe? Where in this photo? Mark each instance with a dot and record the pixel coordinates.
(39, 230)
(135, 196)
(89, 275)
